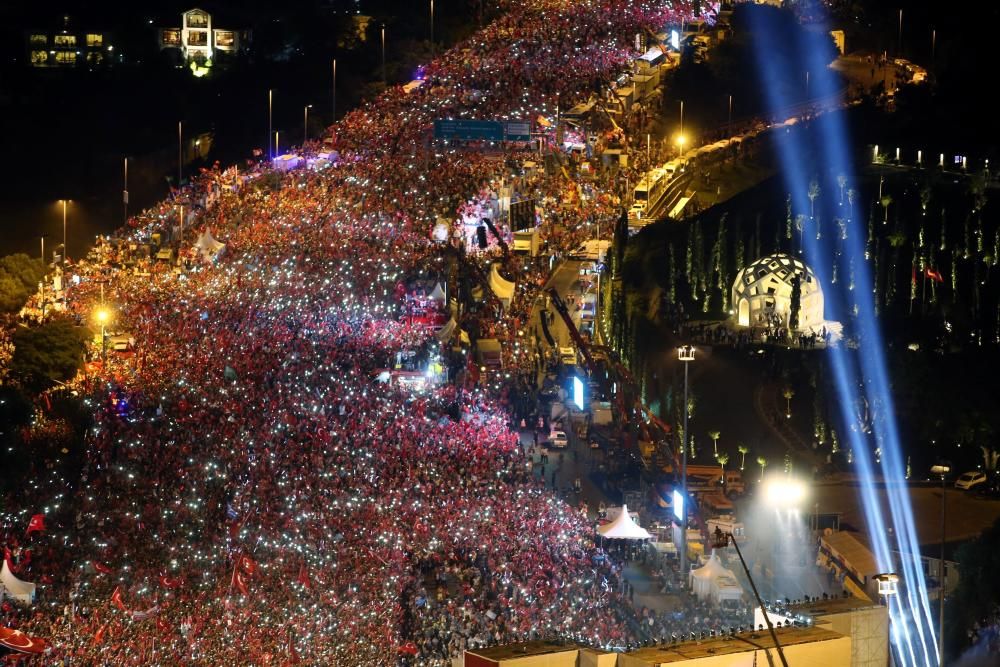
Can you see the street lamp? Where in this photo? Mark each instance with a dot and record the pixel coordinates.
(685, 353)
(64, 202)
(305, 125)
(941, 469)
(680, 140)
(383, 54)
(270, 119)
(103, 316)
(722, 540)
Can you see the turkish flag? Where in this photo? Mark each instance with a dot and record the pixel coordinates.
(37, 523)
(247, 565)
(170, 582)
(116, 599)
(933, 275)
(409, 648)
(99, 635)
(163, 625)
(304, 577)
(16, 640)
(240, 581)
(101, 567)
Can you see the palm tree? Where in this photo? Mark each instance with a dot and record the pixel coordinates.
(723, 459)
(813, 193)
(800, 225)
(714, 435)
(788, 394)
(852, 194)
(762, 462)
(885, 202)
(841, 181)
(742, 449)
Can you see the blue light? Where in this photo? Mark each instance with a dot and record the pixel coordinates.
(577, 393)
(679, 507)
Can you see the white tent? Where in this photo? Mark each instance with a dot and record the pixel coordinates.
(502, 288)
(703, 581)
(207, 247)
(14, 588)
(437, 293)
(623, 528)
(447, 330)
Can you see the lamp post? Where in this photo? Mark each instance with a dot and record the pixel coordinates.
(180, 152)
(64, 202)
(941, 469)
(305, 125)
(335, 90)
(722, 540)
(125, 193)
(888, 588)
(432, 28)
(270, 123)
(682, 118)
(730, 124)
(103, 315)
(685, 353)
(383, 54)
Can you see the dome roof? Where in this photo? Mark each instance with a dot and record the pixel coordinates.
(780, 267)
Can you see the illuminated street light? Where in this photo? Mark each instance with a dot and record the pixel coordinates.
(103, 316)
(941, 469)
(888, 584)
(784, 492)
(685, 353)
(64, 202)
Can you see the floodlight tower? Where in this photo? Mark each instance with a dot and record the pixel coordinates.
(685, 353)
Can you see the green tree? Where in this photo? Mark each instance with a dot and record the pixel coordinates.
(19, 277)
(48, 353)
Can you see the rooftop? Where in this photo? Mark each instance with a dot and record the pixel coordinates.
(522, 650)
(728, 645)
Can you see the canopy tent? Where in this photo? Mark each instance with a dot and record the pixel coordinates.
(623, 528)
(437, 293)
(447, 331)
(502, 288)
(207, 247)
(704, 580)
(14, 588)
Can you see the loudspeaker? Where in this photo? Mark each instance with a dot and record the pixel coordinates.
(481, 235)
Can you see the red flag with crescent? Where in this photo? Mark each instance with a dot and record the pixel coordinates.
(15, 640)
(116, 599)
(37, 524)
(102, 567)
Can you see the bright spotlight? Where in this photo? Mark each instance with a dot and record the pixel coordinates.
(784, 492)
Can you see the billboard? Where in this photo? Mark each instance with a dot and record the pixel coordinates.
(577, 393)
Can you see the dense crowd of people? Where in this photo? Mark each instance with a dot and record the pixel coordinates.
(251, 493)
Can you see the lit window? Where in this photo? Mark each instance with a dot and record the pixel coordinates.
(39, 39)
(95, 40)
(171, 37)
(65, 40)
(39, 57)
(224, 38)
(196, 19)
(197, 38)
(66, 57)
(95, 58)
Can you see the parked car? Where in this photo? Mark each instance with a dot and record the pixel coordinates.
(567, 355)
(988, 491)
(558, 440)
(970, 479)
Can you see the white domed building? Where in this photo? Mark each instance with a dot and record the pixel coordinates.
(762, 293)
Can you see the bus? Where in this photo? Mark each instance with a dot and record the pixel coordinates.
(649, 191)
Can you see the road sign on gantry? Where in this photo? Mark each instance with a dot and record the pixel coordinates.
(468, 130)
